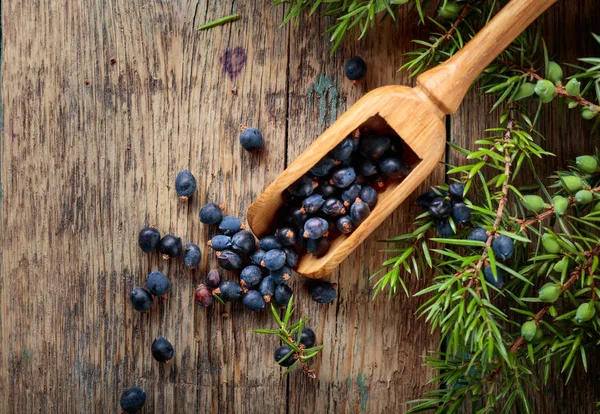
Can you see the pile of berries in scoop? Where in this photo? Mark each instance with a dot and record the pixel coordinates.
(340, 190)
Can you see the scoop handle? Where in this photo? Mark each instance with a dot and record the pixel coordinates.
(448, 83)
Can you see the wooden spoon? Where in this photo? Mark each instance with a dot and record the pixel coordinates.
(416, 114)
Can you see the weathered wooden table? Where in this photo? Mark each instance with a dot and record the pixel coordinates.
(103, 103)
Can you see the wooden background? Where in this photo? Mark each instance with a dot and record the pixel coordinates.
(90, 150)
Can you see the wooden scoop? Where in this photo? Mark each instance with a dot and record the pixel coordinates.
(416, 114)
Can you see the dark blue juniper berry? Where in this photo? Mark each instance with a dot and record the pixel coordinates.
(327, 189)
(185, 184)
(251, 139)
(257, 257)
(149, 239)
(291, 256)
(440, 208)
(461, 213)
(444, 228)
(366, 167)
(269, 243)
(251, 276)
(229, 291)
(308, 338)
(280, 354)
(342, 151)
(211, 214)
(285, 236)
(298, 217)
(162, 350)
(355, 68)
(282, 275)
(282, 296)
(229, 260)
(359, 211)
(213, 279)
(243, 242)
(322, 291)
(345, 225)
(273, 259)
(425, 199)
(220, 242)
(323, 167)
(191, 255)
(170, 246)
(302, 188)
(350, 194)
(253, 301)
(456, 190)
(342, 177)
(318, 247)
(333, 207)
(368, 195)
(158, 284)
(497, 281)
(312, 204)
(503, 247)
(141, 299)
(315, 228)
(230, 225)
(267, 288)
(374, 146)
(393, 167)
(132, 400)
(479, 234)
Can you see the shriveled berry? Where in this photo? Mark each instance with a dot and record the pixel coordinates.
(444, 228)
(461, 213)
(561, 204)
(170, 246)
(425, 199)
(587, 163)
(584, 197)
(355, 68)
(350, 194)
(368, 195)
(162, 350)
(315, 228)
(342, 151)
(533, 203)
(280, 354)
(229, 291)
(440, 208)
(220, 242)
(342, 177)
(250, 276)
(345, 225)
(283, 293)
(213, 278)
(302, 188)
(528, 330)
(571, 183)
(323, 167)
(132, 400)
(374, 146)
(269, 243)
(312, 203)
(230, 225)
(253, 301)
(191, 255)
(393, 167)
(503, 247)
(158, 284)
(257, 257)
(549, 293)
(185, 184)
(243, 242)
(211, 214)
(496, 281)
(585, 312)
(267, 288)
(308, 338)
(359, 211)
(318, 247)
(327, 189)
(291, 256)
(366, 167)
(298, 217)
(333, 207)
(274, 259)
(550, 243)
(251, 139)
(282, 275)
(141, 299)
(203, 296)
(149, 239)
(479, 234)
(322, 291)
(229, 260)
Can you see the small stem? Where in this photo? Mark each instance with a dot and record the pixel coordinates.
(463, 14)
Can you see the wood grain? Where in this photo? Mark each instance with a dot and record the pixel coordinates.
(90, 149)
